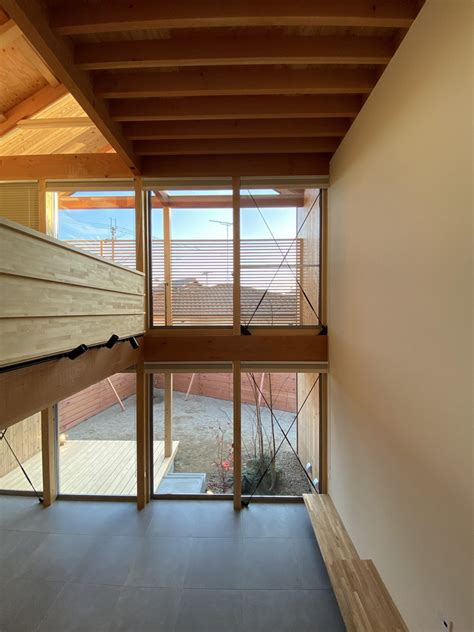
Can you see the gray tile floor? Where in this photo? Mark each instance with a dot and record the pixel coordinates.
(176, 566)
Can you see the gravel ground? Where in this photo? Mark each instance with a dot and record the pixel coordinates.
(202, 425)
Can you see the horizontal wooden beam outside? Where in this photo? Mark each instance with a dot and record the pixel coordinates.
(204, 348)
(63, 166)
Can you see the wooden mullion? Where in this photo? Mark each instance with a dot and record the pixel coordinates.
(236, 254)
(168, 405)
(237, 429)
(141, 441)
(167, 264)
(323, 381)
(49, 456)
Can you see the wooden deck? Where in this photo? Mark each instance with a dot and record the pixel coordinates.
(105, 468)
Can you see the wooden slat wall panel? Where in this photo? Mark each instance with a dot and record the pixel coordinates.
(19, 202)
(28, 253)
(22, 297)
(22, 339)
(56, 297)
(94, 399)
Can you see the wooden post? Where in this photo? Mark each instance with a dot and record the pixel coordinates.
(236, 253)
(167, 264)
(49, 456)
(139, 225)
(42, 222)
(323, 380)
(148, 433)
(141, 437)
(237, 436)
(168, 414)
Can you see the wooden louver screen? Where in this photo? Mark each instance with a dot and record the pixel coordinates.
(201, 279)
(19, 203)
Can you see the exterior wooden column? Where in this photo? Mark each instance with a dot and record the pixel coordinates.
(236, 253)
(168, 414)
(141, 424)
(237, 436)
(139, 226)
(167, 264)
(49, 456)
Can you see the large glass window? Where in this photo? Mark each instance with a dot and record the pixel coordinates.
(192, 256)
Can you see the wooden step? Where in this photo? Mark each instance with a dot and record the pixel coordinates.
(365, 604)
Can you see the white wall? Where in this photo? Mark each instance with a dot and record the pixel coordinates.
(400, 322)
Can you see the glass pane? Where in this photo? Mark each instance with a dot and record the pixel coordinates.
(202, 433)
(192, 263)
(101, 222)
(23, 439)
(97, 439)
(279, 257)
(275, 434)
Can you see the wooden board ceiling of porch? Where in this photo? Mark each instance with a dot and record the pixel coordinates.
(166, 80)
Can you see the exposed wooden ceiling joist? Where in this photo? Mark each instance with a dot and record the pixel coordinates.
(247, 107)
(276, 128)
(188, 82)
(236, 146)
(239, 165)
(122, 15)
(30, 106)
(224, 49)
(58, 55)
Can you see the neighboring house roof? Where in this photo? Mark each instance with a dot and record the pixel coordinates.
(195, 299)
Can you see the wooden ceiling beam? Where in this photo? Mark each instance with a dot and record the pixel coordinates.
(276, 128)
(238, 165)
(30, 106)
(235, 49)
(188, 82)
(122, 15)
(236, 146)
(57, 53)
(249, 107)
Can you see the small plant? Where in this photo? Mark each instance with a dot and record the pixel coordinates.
(224, 462)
